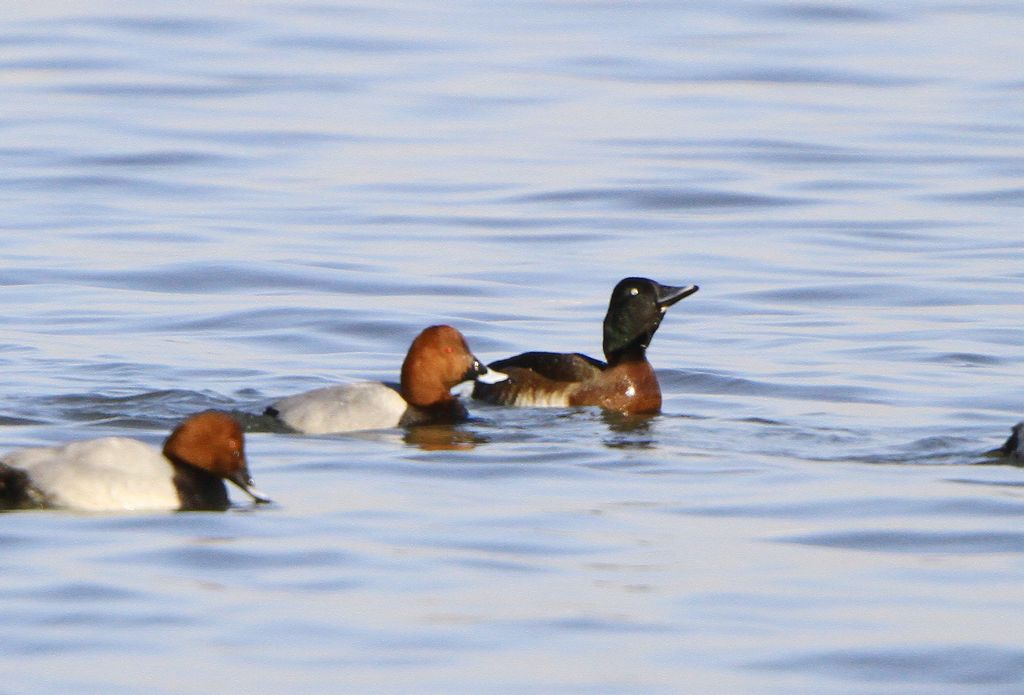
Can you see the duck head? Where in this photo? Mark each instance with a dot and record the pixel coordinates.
(634, 313)
(213, 441)
(438, 360)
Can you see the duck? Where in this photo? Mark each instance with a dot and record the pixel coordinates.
(1013, 448)
(122, 474)
(624, 382)
(438, 360)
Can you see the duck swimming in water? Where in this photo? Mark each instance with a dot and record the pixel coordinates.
(1013, 447)
(626, 382)
(122, 474)
(437, 361)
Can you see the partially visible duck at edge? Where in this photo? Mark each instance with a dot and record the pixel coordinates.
(1013, 448)
(121, 474)
(625, 383)
(437, 361)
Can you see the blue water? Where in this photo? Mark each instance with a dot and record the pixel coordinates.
(213, 206)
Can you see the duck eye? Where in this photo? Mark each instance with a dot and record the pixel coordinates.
(634, 291)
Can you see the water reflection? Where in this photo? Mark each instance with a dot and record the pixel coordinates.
(442, 438)
(628, 431)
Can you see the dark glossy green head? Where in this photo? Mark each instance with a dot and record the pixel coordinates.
(634, 314)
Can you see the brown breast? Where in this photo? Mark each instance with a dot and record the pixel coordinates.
(629, 387)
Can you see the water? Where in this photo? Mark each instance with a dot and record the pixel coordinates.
(212, 206)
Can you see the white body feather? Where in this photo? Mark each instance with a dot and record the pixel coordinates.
(109, 474)
(364, 406)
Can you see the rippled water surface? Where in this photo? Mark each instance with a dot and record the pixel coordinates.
(216, 205)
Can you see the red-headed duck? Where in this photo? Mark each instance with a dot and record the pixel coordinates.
(625, 383)
(437, 361)
(121, 474)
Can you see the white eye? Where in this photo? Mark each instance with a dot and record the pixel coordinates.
(634, 291)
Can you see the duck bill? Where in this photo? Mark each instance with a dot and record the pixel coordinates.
(667, 295)
(478, 371)
(492, 376)
(244, 483)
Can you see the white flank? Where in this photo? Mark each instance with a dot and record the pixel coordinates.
(100, 475)
(543, 399)
(365, 406)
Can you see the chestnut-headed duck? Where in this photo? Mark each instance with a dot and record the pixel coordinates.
(121, 474)
(626, 383)
(437, 361)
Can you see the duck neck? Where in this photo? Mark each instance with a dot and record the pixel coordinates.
(425, 394)
(448, 411)
(198, 490)
(634, 352)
